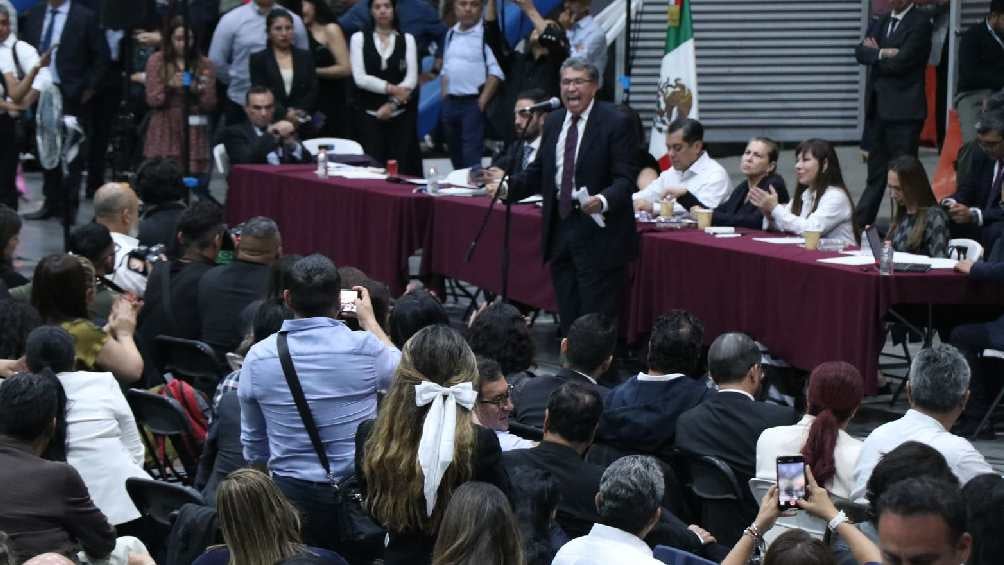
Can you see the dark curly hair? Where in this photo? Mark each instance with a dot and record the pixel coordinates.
(17, 319)
(159, 180)
(500, 333)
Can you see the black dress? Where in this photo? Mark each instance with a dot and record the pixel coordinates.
(332, 100)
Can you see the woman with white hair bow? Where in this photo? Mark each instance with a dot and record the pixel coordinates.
(424, 444)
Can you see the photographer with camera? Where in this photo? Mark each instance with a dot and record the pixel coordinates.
(116, 207)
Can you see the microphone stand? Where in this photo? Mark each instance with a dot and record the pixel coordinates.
(508, 219)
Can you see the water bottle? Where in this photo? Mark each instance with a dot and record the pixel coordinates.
(432, 180)
(322, 162)
(886, 266)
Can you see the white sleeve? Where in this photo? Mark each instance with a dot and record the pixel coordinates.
(127, 423)
(363, 80)
(654, 191)
(6, 62)
(713, 190)
(833, 210)
(970, 463)
(27, 55)
(128, 279)
(411, 57)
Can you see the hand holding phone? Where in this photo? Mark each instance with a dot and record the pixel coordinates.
(790, 481)
(347, 299)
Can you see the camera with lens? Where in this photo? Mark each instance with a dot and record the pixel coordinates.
(143, 257)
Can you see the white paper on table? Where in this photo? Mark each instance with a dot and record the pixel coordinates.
(582, 195)
(851, 260)
(727, 235)
(719, 229)
(934, 262)
(359, 174)
(419, 182)
(781, 240)
(459, 178)
(459, 191)
(532, 199)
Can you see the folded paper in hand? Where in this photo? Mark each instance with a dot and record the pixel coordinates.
(582, 195)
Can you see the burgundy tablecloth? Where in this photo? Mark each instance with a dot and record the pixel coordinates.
(372, 225)
(455, 222)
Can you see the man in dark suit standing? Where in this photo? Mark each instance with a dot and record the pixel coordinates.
(258, 140)
(79, 61)
(588, 351)
(895, 51)
(588, 241)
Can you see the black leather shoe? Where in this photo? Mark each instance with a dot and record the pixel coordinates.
(43, 213)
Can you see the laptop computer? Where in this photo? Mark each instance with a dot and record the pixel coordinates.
(875, 243)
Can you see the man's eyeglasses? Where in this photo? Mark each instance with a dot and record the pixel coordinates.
(989, 146)
(501, 399)
(575, 81)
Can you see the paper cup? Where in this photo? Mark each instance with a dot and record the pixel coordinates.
(812, 238)
(703, 218)
(666, 208)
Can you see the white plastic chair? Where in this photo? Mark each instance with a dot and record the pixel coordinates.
(974, 251)
(802, 520)
(221, 159)
(339, 146)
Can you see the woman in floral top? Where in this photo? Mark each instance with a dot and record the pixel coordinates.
(919, 225)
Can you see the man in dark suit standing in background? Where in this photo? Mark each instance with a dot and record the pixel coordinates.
(79, 61)
(896, 52)
(589, 241)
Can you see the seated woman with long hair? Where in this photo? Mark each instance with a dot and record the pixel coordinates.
(821, 200)
(478, 528)
(835, 392)
(407, 478)
(919, 224)
(96, 433)
(62, 288)
(260, 527)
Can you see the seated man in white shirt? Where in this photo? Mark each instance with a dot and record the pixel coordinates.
(628, 506)
(494, 404)
(695, 179)
(938, 390)
(116, 207)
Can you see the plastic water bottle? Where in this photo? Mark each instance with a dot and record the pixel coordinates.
(322, 162)
(886, 265)
(432, 180)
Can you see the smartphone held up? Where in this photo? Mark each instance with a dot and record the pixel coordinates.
(791, 481)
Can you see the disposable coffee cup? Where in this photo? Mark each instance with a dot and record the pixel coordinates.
(703, 218)
(666, 208)
(812, 238)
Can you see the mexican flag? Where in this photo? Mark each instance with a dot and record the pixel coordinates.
(677, 91)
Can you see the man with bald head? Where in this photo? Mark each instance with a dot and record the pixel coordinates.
(225, 291)
(116, 207)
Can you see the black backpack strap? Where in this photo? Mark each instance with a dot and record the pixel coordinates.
(17, 62)
(306, 416)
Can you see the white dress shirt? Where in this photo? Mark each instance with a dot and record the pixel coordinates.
(27, 56)
(123, 276)
(467, 61)
(606, 546)
(832, 217)
(588, 41)
(647, 378)
(102, 440)
(376, 84)
(559, 150)
(706, 179)
(789, 440)
(962, 457)
(508, 441)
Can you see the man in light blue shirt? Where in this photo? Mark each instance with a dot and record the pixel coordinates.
(240, 33)
(586, 37)
(470, 78)
(340, 371)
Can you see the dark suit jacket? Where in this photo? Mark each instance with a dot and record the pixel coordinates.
(245, 146)
(224, 292)
(974, 190)
(530, 399)
(737, 212)
(303, 93)
(82, 58)
(45, 507)
(981, 60)
(640, 416)
(605, 165)
(223, 452)
(895, 86)
(727, 426)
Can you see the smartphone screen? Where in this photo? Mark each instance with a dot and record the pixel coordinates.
(790, 480)
(348, 301)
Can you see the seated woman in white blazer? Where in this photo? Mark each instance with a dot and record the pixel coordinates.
(835, 392)
(101, 439)
(821, 201)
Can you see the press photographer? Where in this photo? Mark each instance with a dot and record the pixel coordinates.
(116, 207)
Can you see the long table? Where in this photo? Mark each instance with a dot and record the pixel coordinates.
(806, 312)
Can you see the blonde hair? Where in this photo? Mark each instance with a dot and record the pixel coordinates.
(393, 476)
(260, 527)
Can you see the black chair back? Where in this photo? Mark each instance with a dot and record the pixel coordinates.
(526, 432)
(164, 418)
(160, 500)
(725, 510)
(192, 361)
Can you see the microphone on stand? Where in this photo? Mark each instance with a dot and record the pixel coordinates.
(545, 106)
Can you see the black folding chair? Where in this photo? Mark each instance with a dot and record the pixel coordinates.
(191, 361)
(159, 417)
(725, 509)
(160, 500)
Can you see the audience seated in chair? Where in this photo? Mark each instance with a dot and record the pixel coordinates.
(984, 496)
(494, 404)
(535, 496)
(412, 312)
(159, 184)
(51, 512)
(116, 206)
(258, 140)
(17, 319)
(938, 389)
(94, 242)
(499, 332)
(834, 395)
(478, 527)
(759, 165)
(430, 400)
(923, 520)
(640, 415)
(96, 431)
(226, 290)
(260, 526)
(587, 351)
(975, 208)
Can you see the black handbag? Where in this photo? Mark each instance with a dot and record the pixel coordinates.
(354, 524)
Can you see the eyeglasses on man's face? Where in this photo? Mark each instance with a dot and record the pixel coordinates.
(500, 400)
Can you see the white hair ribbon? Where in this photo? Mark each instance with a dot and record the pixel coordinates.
(435, 450)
